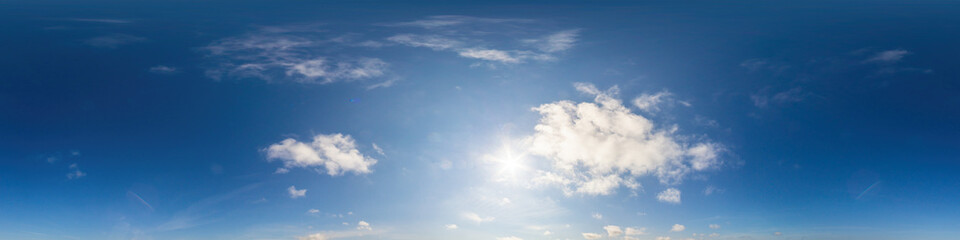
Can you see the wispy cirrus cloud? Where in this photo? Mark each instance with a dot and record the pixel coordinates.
(502, 41)
(113, 40)
(303, 54)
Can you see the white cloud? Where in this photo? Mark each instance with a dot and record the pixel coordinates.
(663, 238)
(296, 193)
(889, 56)
(547, 233)
(761, 98)
(650, 102)
(714, 235)
(378, 149)
(592, 235)
(75, 172)
(472, 216)
(677, 228)
(99, 20)
(714, 226)
(489, 54)
(313, 211)
(509, 238)
(292, 53)
(778, 234)
(281, 171)
(336, 152)
(316, 236)
(671, 195)
(635, 231)
(428, 41)
(613, 231)
(557, 42)
(596, 147)
(446, 21)
(161, 69)
(113, 40)
(597, 216)
(362, 225)
(451, 227)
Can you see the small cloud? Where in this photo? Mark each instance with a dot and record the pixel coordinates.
(714, 235)
(677, 228)
(296, 193)
(362, 225)
(509, 238)
(161, 69)
(556, 42)
(650, 102)
(100, 20)
(613, 231)
(635, 231)
(597, 216)
(489, 55)
(547, 233)
(377, 149)
(476, 217)
(337, 153)
(671, 195)
(714, 226)
(113, 41)
(75, 172)
(778, 234)
(313, 211)
(710, 190)
(889, 56)
(592, 235)
(315, 236)
(663, 238)
(451, 227)
(281, 171)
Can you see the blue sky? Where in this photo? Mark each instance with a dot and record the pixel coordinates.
(501, 121)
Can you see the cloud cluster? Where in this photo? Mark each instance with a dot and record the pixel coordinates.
(336, 152)
(596, 147)
(671, 195)
(614, 231)
(300, 54)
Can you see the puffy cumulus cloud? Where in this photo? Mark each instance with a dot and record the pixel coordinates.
(613, 231)
(451, 227)
(677, 228)
(635, 231)
(315, 236)
(714, 226)
(509, 238)
(336, 152)
(592, 235)
(362, 225)
(300, 54)
(472, 216)
(596, 147)
(296, 193)
(671, 195)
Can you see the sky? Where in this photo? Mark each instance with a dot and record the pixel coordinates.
(317, 120)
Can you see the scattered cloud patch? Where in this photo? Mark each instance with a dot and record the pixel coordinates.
(313, 211)
(362, 225)
(113, 40)
(337, 153)
(296, 53)
(635, 231)
(100, 20)
(613, 231)
(296, 193)
(596, 147)
(651, 102)
(161, 69)
(597, 216)
(671, 195)
(592, 235)
(451, 227)
(75, 172)
(889, 56)
(677, 228)
(509, 238)
(472, 216)
(714, 226)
